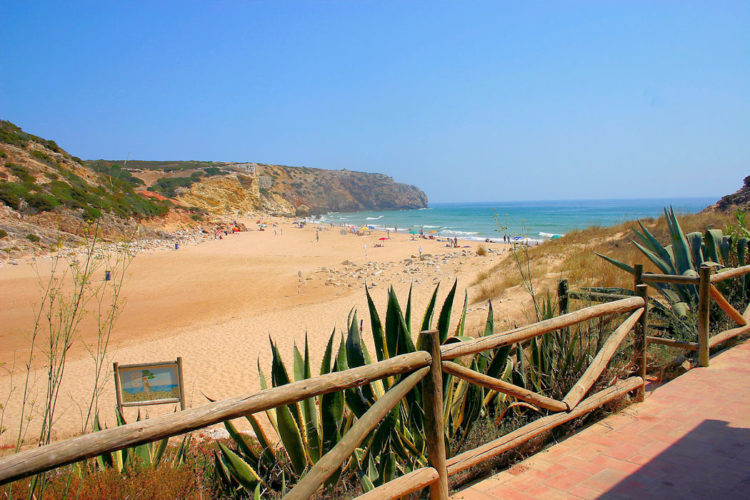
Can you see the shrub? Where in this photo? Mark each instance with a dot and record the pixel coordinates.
(481, 251)
(41, 201)
(43, 157)
(3, 154)
(21, 172)
(33, 238)
(11, 193)
(3, 233)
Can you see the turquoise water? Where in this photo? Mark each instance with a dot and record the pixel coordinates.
(533, 220)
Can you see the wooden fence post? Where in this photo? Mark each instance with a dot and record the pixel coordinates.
(562, 296)
(640, 345)
(637, 275)
(704, 305)
(432, 397)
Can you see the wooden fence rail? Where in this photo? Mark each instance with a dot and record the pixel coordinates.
(707, 291)
(53, 455)
(426, 366)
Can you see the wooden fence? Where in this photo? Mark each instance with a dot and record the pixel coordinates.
(707, 291)
(425, 367)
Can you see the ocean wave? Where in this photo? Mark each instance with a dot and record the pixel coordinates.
(374, 218)
(549, 235)
(431, 227)
(459, 233)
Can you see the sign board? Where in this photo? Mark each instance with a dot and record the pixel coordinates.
(149, 384)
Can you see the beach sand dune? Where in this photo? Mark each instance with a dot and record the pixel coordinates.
(216, 304)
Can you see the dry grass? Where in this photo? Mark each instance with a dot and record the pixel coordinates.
(573, 257)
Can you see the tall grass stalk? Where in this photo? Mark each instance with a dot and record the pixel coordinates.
(66, 293)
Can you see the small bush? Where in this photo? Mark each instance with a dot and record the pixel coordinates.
(41, 201)
(3, 154)
(33, 238)
(11, 193)
(21, 172)
(43, 157)
(481, 251)
(3, 233)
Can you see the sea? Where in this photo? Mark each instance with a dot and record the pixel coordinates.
(531, 221)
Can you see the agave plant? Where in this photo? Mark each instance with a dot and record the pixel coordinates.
(143, 455)
(684, 257)
(307, 430)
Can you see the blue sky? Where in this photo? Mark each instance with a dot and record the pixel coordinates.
(470, 101)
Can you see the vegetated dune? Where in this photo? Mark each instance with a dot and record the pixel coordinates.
(573, 256)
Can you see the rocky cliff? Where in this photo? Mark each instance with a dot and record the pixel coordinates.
(315, 191)
(740, 199)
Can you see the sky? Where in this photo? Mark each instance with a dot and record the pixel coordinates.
(468, 100)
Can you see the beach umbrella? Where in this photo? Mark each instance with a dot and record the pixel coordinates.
(364, 228)
(433, 231)
(370, 227)
(413, 232)
(556, 236)
(383, 238)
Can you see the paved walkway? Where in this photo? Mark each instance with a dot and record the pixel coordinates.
(689, 439)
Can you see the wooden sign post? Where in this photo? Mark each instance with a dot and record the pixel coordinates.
(149, 384)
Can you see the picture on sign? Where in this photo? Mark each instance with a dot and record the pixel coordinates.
(151, 383)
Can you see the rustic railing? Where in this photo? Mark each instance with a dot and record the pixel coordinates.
(426, 366)
(707, 291)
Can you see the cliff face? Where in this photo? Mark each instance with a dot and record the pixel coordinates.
(233, 194)
(315, 191)
(740, 199)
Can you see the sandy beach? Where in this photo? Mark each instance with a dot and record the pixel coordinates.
(216, 303)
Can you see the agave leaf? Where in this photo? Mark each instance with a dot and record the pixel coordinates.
(179, 457)
(665, 266)
(407, 315)
(680, 247)
(430, 311)
(268, 453)
(240, 470)
(462, 319)
(331, 416)
(222, 470)
(256, 493)
(617, 263)
(239, 439)
(656, 247)
(298, 367)
(159, 452)
(366, 483)
(290, 435)
(499, 361)
(445, 313)
(742, 246)
(695, 240)
(358, 398)
(310, 412)
(381, 349)
(354, 353)
(325, 364)
(398, 333)
(279, 377)
(105, 459)
(393, 320)
(725, 246)
(712, 239)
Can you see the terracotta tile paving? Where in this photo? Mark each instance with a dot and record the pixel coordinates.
(689, 439)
